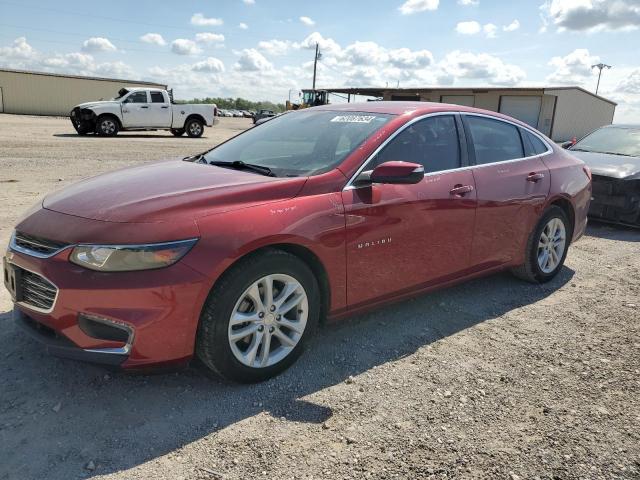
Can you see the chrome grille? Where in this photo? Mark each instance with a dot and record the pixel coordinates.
(36, 291)
(36, 246)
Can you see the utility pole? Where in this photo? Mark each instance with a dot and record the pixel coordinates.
(599, 66)
(315, 65)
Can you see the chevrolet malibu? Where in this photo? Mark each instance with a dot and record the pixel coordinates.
(234, 256)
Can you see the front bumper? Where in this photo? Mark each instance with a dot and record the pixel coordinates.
(160, 307)
(616, 200)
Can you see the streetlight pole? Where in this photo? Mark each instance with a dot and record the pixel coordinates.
(315, 65)
(600, 67)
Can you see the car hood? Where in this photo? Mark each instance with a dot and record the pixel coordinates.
(100, 103)
(608, 165)
(163, 191)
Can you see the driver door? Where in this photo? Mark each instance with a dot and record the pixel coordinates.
(136, 111)
(404, 237)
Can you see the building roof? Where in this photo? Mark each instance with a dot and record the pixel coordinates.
(84, 77)
(380, 91)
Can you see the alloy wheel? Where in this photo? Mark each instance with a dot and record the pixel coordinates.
(108, 127)
(551, 245)
(195, 128)
(268, 320)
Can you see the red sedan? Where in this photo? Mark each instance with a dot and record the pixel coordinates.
(235, 255)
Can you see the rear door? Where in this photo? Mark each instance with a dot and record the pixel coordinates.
(159, 110)
(400, 237)
(135, 110)
(511, 186)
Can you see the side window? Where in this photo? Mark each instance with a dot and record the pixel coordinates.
(157, 97)
(538, 145)
(494, 140)
(137, 97)
(432, 142)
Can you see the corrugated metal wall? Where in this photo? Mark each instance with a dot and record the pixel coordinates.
(41, 94)
(578, 113)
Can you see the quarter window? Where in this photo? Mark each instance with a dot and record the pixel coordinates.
(157, 97)
(537, 145)
(494, 140)
(431, 142)
(137, 97)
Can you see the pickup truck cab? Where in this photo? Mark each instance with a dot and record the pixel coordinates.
(142, 109)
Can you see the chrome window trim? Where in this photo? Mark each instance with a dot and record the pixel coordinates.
(31, 307)
(17, 248)
(350, 186)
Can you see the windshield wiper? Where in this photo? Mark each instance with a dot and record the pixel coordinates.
(240, 165)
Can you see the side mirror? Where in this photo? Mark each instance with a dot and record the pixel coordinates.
(398, 173)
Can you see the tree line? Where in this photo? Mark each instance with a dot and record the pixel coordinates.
(238, 103)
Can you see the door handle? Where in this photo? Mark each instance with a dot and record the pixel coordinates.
(535, 177)
(461, 190)
(166, 106)
(144, 106)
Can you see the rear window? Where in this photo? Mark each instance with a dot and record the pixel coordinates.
(157, 97)
(494, 140)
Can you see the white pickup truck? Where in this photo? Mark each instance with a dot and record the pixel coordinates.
(142, 109)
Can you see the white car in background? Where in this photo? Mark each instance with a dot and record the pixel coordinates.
(142, 109)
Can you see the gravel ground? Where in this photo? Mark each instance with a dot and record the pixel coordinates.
(491, 379)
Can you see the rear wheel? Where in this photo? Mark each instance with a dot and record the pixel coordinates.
(194, 128)
(546, 248)
(258, 318)
(107, 126)
(178, 132)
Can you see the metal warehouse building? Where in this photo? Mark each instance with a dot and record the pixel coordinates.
(38, 93)
(561, 113)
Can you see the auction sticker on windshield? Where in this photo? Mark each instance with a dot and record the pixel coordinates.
(353, 118)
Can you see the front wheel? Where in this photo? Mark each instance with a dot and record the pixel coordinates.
(107, 126)
(194, 128)
(546, 248)
(258, 317)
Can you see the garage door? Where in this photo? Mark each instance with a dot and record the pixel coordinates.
(466, 100)
(524, 108)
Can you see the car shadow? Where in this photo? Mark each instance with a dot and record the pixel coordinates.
(125, 135)
(56, 415)
(610, 231)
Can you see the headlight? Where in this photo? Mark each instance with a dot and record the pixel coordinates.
(127, 258)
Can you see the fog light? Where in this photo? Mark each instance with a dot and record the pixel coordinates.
(103, 329)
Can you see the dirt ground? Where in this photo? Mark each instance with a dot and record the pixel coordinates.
(492, 379)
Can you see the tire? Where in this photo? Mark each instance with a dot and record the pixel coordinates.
(107, 126)
(535, 269)
(231, 358)
(177, 132)
(194, 128)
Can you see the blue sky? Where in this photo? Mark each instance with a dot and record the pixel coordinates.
(260, 49)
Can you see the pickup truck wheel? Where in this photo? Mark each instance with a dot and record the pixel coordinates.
(178, 132)
(107, 126)
(194, 128)
(258, 317)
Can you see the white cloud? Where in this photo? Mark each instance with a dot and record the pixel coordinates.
(183, 46)
(489, 30)
(631, 84)
(251, 60)
(18, 49)
(407, 59)
(209, 38)
(307, 21)
(365, 53)
(243, 26)
(98, 44)
(153, 38)
(483, 66)
(275, 47)
(467, 3)
(199, 20)
(468, 28)
(415, 6)
(512, 27)
(592, 15)
(211, 64)
(249, 2)
(328, 46)
(573, 68)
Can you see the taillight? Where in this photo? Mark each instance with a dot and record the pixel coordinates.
(587, 171)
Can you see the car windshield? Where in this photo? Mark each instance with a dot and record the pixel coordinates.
(302, 143)
(616, 140)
